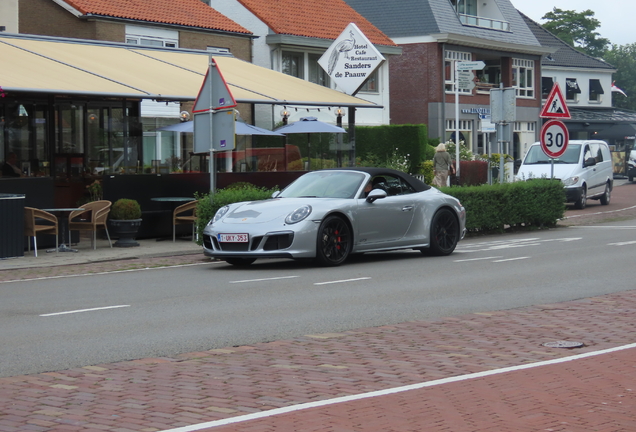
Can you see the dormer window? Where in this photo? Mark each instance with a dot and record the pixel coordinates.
(480, 14)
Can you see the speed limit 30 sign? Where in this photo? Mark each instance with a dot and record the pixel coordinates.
(554, 138)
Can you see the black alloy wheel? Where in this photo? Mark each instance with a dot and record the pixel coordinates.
(444, 233)
(334, 241)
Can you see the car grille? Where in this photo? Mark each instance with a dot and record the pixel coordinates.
(273, 242)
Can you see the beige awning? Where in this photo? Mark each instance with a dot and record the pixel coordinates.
(63, 66)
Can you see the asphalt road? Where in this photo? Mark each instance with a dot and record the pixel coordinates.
(61, 323)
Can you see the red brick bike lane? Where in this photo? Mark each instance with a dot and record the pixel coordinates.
(187, 392)
(582, 394)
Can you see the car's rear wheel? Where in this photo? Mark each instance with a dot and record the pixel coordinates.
(582, 201)
(444, 233)
(607, 195)
(334, 241)
(240, 261)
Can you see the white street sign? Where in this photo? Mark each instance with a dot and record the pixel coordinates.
(465, 80)
(471, 65)
(351, 59)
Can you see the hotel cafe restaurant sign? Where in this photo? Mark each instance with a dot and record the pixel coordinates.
(351, 59)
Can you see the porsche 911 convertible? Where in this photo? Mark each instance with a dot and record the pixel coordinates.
(328, 215)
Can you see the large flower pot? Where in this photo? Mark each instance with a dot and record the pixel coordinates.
(125, 231)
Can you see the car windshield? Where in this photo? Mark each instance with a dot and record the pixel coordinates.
(536, 156)
(325, 184)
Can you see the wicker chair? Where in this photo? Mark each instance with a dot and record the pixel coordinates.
(32, 226)
(183, 215)
(92, 218)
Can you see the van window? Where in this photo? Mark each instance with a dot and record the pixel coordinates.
(536, 156)
(597, 153)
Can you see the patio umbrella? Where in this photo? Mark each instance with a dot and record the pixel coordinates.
(309, 125)
(241, 129)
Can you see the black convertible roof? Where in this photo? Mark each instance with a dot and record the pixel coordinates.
(417, 184)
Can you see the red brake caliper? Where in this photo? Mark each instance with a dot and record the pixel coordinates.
(337, 239)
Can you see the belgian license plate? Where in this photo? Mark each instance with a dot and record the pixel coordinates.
(233, 238)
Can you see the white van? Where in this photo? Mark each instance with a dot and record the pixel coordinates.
(585, 169)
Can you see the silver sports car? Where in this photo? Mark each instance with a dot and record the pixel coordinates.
(330, 214)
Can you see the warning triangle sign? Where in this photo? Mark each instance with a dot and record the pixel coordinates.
(215, 93)
(555, 106)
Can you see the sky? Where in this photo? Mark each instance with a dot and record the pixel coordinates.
(616, 16)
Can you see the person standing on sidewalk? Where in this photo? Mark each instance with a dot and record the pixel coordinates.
(441, 165)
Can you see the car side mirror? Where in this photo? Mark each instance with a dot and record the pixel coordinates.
(275, 194)
(589, 162)
(376, 194)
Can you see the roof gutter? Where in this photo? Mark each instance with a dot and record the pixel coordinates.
(457, 39)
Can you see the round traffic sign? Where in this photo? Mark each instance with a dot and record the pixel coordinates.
(554, 138)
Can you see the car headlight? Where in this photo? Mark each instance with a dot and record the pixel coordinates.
(299, 214)
(219, 214)
(570, 181)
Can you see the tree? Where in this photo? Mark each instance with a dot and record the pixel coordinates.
(623, 58)
(577, 29)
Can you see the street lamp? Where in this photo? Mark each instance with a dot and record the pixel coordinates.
(285, 115)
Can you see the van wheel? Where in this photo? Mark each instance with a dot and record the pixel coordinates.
(582, 201)
(607, 195)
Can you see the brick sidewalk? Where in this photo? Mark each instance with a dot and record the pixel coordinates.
(158, 394)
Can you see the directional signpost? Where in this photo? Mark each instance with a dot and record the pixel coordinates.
(464, 80)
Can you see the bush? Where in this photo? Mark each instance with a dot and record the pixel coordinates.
(125, 209)
(536, 203)
(210, 203)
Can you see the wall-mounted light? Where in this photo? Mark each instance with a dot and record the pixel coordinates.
(184, 116)
(92, 118)
(284, 114)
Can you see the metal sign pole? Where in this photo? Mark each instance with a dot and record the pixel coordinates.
(457, 121)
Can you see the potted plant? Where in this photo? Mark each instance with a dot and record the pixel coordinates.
(124, 221)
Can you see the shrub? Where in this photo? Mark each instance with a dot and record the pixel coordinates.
(210, 203)
(125, 209)
(536, 203)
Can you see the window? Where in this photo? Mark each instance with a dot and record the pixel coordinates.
(371, 85)
(296, 63)
(317, 74)
(465, 132)
(572, 90)
(449, 68)
(523, 77)
(546, 86)
(293, 63)
(146, 36)
(218, 50)
(596, 90)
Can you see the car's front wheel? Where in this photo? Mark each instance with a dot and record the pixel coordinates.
(582, 201)
(240, 261)
(334, 241)
(444, 233)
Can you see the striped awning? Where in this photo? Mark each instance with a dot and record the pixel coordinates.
(79, 67)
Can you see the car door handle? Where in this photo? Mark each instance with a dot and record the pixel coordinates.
(407, 208)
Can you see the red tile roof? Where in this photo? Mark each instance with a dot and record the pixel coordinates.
(313, 18)
(191, 13)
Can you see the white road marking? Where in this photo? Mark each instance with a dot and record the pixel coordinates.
(477, 259)
(417, 386)
(511, 259)
(341, 281)
(264, 279)
(622, 243)
(605, 227)
(84, 310)
(508, 244)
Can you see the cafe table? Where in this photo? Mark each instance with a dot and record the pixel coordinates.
(64, 213)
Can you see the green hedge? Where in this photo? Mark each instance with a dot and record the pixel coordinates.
(535, 203)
